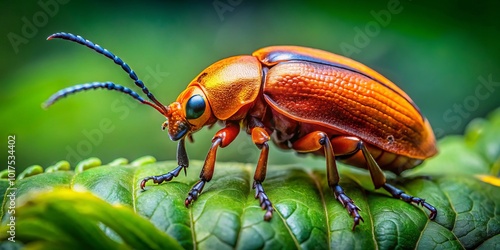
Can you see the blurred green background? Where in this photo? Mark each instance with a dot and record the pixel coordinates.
(444, 54)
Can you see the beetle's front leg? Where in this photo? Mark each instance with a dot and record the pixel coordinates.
(182, 162)
(221, 139)
(260, 137)
(315, 141)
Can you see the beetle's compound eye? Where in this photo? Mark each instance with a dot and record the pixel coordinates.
(195, 107)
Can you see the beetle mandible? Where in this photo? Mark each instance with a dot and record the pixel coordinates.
(303, 99)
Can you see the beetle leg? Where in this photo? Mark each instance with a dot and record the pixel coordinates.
(315, 141)
(221, 139)
(260, 137)
(182, 162)
(399, 194)
(348, 146)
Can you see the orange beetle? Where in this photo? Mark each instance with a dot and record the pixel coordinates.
(303, 99)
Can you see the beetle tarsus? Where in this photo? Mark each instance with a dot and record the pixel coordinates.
(264, 201)
(348, 203)
(194, 193)
(399, 194)
(164, 177)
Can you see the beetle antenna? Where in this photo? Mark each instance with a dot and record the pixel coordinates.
(78, 39)
(96, 85)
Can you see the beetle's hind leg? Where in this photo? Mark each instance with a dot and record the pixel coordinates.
(315, 141)
(182, 161)
(350, 145)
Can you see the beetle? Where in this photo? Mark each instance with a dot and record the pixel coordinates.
(303, 99)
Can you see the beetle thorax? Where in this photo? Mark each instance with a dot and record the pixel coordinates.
(230, 84)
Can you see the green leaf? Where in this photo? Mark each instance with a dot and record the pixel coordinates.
(72, 219)
(113, 212)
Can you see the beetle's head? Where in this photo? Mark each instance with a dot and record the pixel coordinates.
(189, 113)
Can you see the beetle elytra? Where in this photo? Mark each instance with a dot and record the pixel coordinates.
(303, 99)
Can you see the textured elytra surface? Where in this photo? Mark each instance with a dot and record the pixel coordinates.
(227, 216)
(350, 103)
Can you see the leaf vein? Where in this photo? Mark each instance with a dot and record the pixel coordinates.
(247, 169)
(421, 234)
(134, 188)
(323, 202)
(452, 208)
(369, 211)
(193, 233)
(295, 240)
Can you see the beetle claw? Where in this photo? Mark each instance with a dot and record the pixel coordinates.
(354, 212)
(432, 209)
(357, 218)
(143, 182)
